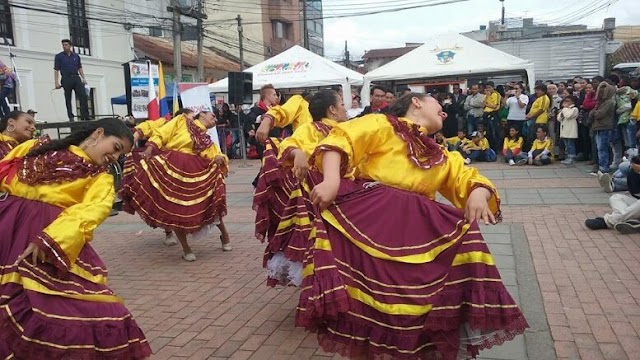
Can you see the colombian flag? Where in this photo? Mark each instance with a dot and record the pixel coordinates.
(162, 94)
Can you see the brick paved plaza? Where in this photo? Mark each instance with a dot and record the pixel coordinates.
(580, 289)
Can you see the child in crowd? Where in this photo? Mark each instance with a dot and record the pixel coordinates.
(458, 141)
(440, 139)
(569, 128)
(541, 152)
(478, 149)
(512, 147)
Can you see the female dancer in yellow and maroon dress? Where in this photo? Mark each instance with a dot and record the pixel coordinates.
(281, 201)
(54, 301)
(393, 274)
(179, 183)
(15, 128)
(143, 131)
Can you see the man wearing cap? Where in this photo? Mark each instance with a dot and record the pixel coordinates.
(68, 64)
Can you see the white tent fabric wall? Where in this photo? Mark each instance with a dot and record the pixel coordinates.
(298, 68)
(444, 55)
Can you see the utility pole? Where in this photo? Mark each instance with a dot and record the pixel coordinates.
(305, 38)
(239, 19)
(347, 61)
(200, 71)
(502, 2)
(177, 46)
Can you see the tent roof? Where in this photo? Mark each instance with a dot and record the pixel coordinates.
(296, 68)
(448, 55)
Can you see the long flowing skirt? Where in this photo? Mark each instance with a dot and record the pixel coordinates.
(395, 275)
(283, 219)
(174, 191)
(46, 315)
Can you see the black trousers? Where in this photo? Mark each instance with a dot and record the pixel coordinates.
(74, 83)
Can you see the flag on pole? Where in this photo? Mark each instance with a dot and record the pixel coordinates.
(176, 104)
(162, 94)
(153, 108)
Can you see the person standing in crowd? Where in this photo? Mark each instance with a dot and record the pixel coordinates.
(54, 301)
(517, 105)
(567, 117)
(603, 123)
(492, 102)
(356, 107)
(450, 126)
(15, 128)
(458, 101)
(626, 125)
(252, 121)
(389, 96)
(474, 105)
(68, 65)
(7, 83)
(378, 103)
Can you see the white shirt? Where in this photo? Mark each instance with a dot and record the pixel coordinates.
(353, 112)
(515, 111)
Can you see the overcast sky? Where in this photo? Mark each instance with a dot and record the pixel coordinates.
(394, 29)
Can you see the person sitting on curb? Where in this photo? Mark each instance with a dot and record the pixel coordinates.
(541, 152)
(457, 142)
(626, 208)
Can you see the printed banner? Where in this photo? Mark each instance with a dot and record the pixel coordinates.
(140, 88)
(195, 96)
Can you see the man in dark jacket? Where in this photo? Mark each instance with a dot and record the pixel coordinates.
(378, 105)
(251, 121)
(626, 208)
(603, 122)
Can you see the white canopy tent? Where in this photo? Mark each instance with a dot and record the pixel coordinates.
(448, 55)
(298, 68)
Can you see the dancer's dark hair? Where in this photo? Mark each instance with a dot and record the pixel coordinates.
(320, 102)
(112, 127)
(15, 114)
(401, 105)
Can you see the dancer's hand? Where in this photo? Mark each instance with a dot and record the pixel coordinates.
(136, 137)
(324, 193)
(478, 207)
(263, 130)
(219, 159)
(147, 152)
(300, 165)
(32, 250)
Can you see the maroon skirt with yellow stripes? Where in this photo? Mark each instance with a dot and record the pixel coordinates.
(45, 314)
(174, 191)
(283, 212)
(394, 275)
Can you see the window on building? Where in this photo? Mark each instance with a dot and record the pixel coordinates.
(79, 26)
(156, 31)
(6, 24)
(282, 30)
(91, 103)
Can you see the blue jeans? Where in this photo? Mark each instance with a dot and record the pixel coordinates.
(570, 147)
(603, 139)
(620, 176)
(487, 155)
(472, 122)
(629, 134)
(4, 108)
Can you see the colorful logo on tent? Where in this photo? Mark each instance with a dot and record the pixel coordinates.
(285, 68)
(445, 57)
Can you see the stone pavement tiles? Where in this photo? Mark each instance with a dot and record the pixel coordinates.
(579, 289)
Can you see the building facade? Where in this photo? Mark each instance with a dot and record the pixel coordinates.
(315, 27)
(32, 31)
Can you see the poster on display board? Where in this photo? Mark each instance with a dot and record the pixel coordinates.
(195, 96)
(140, 87)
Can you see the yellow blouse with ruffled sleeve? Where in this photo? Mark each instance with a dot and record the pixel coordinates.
(305, 138)
(147, 128)
(370, 145)
(294, 112)
(86, 203)
(7, 143)
(175, 135)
